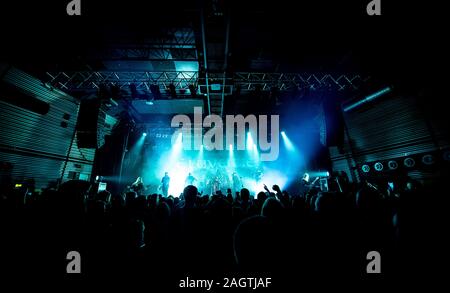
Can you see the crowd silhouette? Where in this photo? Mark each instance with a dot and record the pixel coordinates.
(313, 234)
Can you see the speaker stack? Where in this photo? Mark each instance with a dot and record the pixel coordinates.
(90, 126)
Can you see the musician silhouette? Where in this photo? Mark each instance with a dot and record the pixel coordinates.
(165, 184)
(138, 186)
(236, 180)
(190, 180)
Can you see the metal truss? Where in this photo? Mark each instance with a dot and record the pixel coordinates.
(287, 81)
(89, 80)
(246, 81)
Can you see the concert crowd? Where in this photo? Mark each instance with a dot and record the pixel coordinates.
(312, 234)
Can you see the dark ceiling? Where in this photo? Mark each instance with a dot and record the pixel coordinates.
(264, 36)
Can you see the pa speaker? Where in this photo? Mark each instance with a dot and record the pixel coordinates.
(90, 126)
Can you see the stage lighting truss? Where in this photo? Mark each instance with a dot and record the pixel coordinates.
(92, 80)
(182, 80)
(407, 163)
(289, 81)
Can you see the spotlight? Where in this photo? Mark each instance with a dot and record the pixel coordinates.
(428, 159)
(144, 134)
(409, 162)
(378, 167)
(365, 168)
(305, 178)
(392, 165)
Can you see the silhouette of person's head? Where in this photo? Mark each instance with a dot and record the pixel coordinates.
(261, 197)
(245, 194)
(190, 195)
(272, 208)
(325, 203)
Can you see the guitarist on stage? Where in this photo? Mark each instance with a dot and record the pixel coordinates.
(138, 186)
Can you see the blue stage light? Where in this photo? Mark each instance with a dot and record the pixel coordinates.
(250, 143)
(287, 142)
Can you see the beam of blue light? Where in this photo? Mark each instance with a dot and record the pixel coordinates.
(287, 142)
(255, 153)
(174, 152)
(171, 164)
(367, 99)
(177, 173)
(177, 146)
(231, 164)
(136, 148)
(200, 154)
(249, 141)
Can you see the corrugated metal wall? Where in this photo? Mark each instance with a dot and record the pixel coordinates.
(37, 145)
(394, 127)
